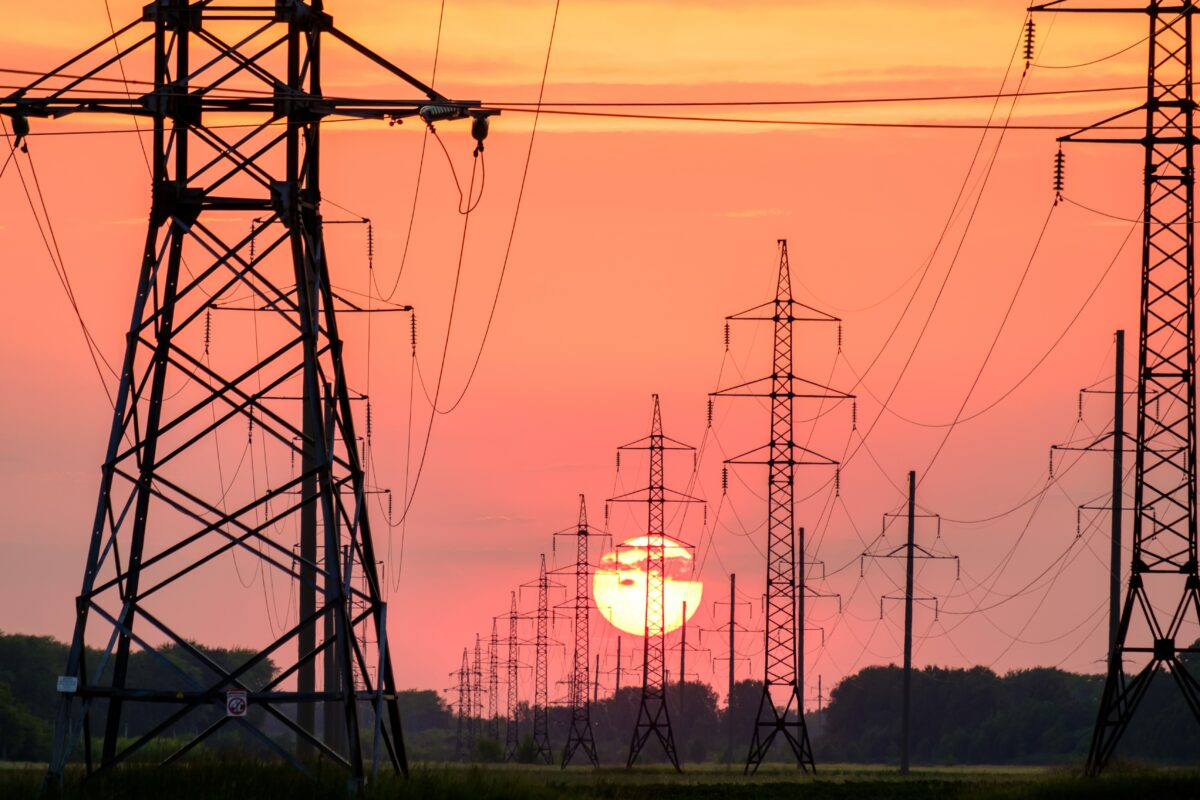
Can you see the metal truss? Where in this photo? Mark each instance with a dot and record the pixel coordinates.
(653, 717)
(781, 707)
(1164, 567)
(235, 107)
(579, 734)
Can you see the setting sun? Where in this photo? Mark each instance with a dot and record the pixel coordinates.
(619, 586)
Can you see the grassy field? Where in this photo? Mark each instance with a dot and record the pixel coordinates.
(450, 782)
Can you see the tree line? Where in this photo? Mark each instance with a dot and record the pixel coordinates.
(960, 716)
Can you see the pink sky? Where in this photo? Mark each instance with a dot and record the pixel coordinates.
(635, 240)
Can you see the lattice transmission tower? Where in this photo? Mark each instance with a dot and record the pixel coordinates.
(579, 734)
(653, 717)
(464, 745)
(541, 667)
(1163, 595)
(165, 525)
(781, 706)
(512, 738)
(493, 690)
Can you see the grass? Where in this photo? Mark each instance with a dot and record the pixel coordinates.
(219, 780)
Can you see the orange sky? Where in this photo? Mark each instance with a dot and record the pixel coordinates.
(635, 239)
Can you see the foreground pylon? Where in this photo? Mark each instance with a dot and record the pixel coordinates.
(169, 519)
(781, 705)
(653, 717)
(1163, 597)
(579, 734)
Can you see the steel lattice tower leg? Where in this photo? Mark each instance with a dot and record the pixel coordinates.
(1163, 573)
(580, 732)
(164, 526)
(783, 668)
(493, 690)
(541, 671)
(512, 739)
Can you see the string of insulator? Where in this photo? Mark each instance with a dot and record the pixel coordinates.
(413, 329)
(368, 419)
(724, 480)
(726, 337)
(207, 329)
(370, 245)
(1030, 28)
(1059, 173)
(839, 337)
(710, 406)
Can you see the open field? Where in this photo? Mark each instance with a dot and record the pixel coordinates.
(449, 782)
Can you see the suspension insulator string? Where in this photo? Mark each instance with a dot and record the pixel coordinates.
(1059, 174)
(1030, 28)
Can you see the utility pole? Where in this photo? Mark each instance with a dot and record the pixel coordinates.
(906, 699)
(580, 732)
(617, 691)
(1116, 439)
(909, 551)
(783, 656)
(1164, 573)
(161, 524)
(653, 718)
(512, 739)
(1118, 482)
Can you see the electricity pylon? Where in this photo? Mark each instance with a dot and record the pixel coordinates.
(493, 690)
(541, 667)
(464, 745)
(1163, 595)
(653, 717)
(579, 734)
(783, 669)
(512, 739)
(164, 524)
(477, 691)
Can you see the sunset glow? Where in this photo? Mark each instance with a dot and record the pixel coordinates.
(619, 586)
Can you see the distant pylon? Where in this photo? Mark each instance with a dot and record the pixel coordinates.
(512, 739)
(579, 735)
(477, 691)
(493, 691)
(783, 655)
(653, 717)
(541, 671)
(462, 742)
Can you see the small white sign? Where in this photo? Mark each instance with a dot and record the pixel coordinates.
(68, 684)
(236, 703)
